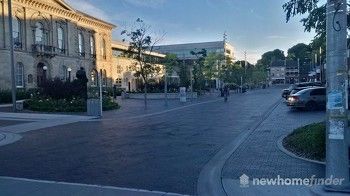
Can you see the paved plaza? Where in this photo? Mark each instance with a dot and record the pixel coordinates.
(164, 148)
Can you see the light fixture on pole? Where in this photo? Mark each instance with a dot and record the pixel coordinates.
(69, 73)
(44, 71)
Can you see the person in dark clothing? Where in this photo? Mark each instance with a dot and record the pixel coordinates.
(81, 76)
(226, 92)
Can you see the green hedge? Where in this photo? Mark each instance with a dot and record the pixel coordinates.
(308, 141)
(65, 105)
(6, 95)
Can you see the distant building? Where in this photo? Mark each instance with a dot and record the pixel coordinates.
(123, 68)
(278, 72)
(290, 71)
(183, 52)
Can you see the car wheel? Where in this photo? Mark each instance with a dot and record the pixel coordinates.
(311, 105)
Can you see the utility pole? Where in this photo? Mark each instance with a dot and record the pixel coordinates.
(245, 62)
(12, 58)
(298, 70)
(166, 87)
(337, 155)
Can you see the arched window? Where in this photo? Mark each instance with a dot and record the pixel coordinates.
(16, 32)
(19, 75)
(81, 44)
(64, 72)
(92, 45)
(103, 48)
(94, 78)
(60, 39)
(40, 34)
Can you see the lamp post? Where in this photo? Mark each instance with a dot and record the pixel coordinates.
(44, 73)
(69, 73)
(12, 58)
(166, 87)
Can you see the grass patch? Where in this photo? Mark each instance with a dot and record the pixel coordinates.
(308, 141)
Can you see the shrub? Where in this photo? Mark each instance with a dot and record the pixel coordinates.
(308, 141)
(6, 95)
(65, 105)
(58, 89)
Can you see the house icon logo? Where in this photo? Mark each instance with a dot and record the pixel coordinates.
(244, 181)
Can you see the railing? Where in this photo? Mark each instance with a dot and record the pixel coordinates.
(46, 50)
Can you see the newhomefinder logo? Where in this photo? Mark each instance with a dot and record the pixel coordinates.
(279, 181)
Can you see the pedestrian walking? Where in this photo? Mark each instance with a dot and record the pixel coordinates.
(226, 93)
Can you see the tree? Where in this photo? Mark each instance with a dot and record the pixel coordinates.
(316, 14)
(171, 63)
(198, 68)
(140, 49)
(270, 56)
(299, 51)
(212, 64)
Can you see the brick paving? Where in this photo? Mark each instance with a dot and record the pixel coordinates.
(259, 156)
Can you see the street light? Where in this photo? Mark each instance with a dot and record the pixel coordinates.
(69, 73)
(45, 69)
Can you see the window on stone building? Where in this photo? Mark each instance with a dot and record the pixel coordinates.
(119, 69)
(41, 37)
(19, 75)
(92, 45)
(118, 81)
(81, 44)
(94, 78)
(60, 39)
(103, 48)
(16, 32)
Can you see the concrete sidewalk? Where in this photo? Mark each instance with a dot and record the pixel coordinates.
(10, 186)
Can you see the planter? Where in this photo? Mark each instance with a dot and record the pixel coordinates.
(94, 107)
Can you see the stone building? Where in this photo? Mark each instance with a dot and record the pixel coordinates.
(123, 67)
(51, 39)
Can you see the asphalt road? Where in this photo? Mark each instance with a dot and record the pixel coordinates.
(162, 152)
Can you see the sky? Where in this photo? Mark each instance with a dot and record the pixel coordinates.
(254, 26)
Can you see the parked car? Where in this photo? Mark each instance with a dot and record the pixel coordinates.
(286, 92)
(310, 99)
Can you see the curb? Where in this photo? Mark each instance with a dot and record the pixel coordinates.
(291, 154)
(210, 178)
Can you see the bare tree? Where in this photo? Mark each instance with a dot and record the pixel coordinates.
(141, 46)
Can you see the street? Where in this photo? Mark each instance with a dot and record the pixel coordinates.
(163, 152)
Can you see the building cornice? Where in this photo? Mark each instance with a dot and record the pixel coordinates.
(69, 14)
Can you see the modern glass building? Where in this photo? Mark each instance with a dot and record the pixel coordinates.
(183, 51)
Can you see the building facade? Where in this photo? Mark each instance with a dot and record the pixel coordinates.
(51, 40)
(124, 67)
(290, 71)
(183, 53)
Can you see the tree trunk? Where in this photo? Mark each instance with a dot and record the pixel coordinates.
(145, 95)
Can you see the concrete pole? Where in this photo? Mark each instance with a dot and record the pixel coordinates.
(337, 159)
(191, 77)
(166, 88)
(101, 95)
(241, 84)
(298, 70)
(12, 58)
